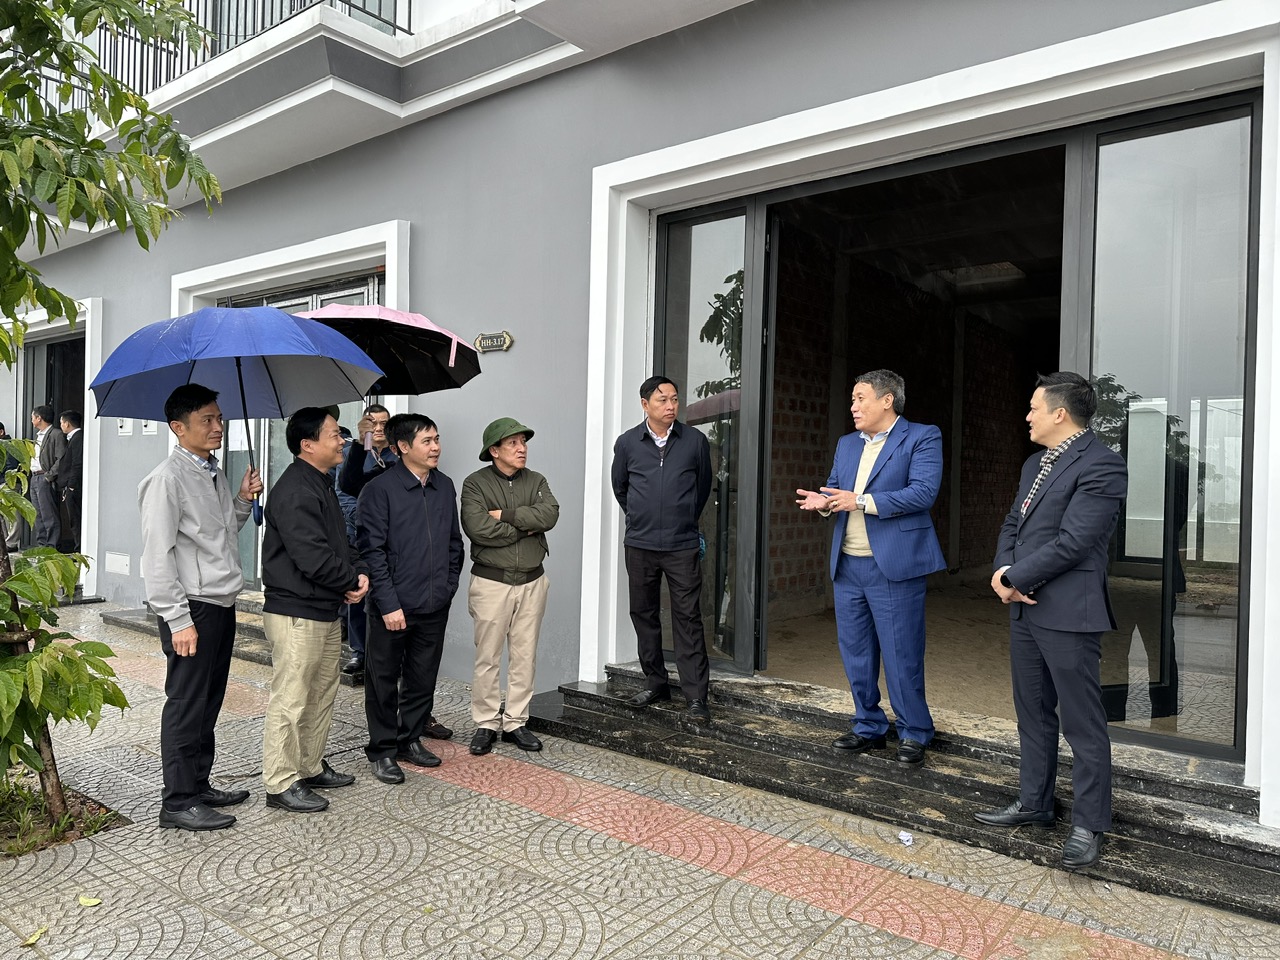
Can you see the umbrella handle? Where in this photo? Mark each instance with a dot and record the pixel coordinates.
(256, 507)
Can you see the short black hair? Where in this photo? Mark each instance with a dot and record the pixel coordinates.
(374, 408)
(305, 424)
(886, 381)
(653, 383)
(405, 427)
(72, 417)
(1070, 391)
(44, 412)
(186, 400)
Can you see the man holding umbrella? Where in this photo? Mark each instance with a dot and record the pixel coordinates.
(191, 567)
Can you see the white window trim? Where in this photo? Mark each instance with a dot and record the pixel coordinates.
(364, 248)
(1187, 55)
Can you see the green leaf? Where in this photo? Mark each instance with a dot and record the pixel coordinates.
(25, 753)
(66, 202)
(95, 648)
(46, 185)
(11, 169)
(35, 683)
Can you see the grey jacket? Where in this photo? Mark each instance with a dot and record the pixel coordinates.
(190, 538)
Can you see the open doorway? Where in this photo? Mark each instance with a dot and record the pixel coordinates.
(952, 277)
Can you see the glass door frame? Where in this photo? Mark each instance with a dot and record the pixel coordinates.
(1075, 338)
(1153, 123)
(751, 429)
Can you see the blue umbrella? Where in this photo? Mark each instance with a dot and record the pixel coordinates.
(262, 361)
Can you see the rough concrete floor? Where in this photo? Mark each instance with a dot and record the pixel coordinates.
(574, 852)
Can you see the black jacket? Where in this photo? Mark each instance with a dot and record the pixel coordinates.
(307, 561)
(359, 466)
(410, 536)
(68, 472)
(662, 491)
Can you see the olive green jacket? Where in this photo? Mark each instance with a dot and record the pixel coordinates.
(510, 549)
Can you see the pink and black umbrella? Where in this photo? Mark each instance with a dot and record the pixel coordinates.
(416, 355)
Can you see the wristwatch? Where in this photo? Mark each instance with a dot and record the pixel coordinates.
(1004, 580)
(860, 500)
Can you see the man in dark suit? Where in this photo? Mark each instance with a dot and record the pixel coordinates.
(883, 483)
(50, 446)
(69, 472)
(1051, 569)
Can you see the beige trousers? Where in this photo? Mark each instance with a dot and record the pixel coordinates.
(505, 616)
(304, 681)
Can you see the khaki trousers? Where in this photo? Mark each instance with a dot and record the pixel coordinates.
(304, 681)
(505, 616)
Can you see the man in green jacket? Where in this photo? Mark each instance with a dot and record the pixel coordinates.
(506, 512)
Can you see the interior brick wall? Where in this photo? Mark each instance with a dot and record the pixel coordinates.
(801, 452)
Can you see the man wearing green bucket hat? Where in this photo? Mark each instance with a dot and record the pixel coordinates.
(506, 511)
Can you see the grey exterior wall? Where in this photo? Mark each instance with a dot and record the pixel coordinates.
(498, 196)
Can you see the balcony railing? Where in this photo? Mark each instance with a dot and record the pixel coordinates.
(147, 66)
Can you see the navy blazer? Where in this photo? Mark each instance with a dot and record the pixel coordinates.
(904, 484)
(1057, 553)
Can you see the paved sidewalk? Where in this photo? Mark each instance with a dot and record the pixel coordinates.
(575, 852)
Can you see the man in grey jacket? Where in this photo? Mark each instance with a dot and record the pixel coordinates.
(191, 567)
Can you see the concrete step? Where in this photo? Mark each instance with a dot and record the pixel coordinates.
(770, 739)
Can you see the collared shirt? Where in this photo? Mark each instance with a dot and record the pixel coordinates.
(1047, 461)
(211, 465)
(660, 441)
(35, 457)
(882, 434)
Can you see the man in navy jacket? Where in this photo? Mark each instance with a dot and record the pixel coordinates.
(662, 479)
(1051, 569)
(408, 531)
(883, 483)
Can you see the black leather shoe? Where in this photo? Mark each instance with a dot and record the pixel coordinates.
(223, 798)
(910, 751)
(388, 771)
(1015, 815)
(482, 742)
(354, 665)
(418, 755)
(299, 798)
(436, 730)
(523, 738)
(646, 697)
(1082, 848)
(328, 778)
(198, 816)
(697, 710)
(856, 743)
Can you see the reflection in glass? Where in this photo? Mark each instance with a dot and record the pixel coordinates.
(1169, 351)
(703, 355)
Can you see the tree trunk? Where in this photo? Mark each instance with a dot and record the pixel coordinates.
(55, 800)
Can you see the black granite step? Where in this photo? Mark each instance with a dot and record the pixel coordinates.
(1162, 844)
(1201, 781)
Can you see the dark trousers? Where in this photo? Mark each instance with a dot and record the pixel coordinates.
(357, 627)
(48, 511)
(71, 497)
(1055, 674)
(194, 687)
(683, 570)
(882, 619)
(400, 670)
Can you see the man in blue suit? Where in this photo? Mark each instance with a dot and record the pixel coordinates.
(1051, 569)
(883, 483)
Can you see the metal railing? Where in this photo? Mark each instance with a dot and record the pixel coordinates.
(146, 66)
